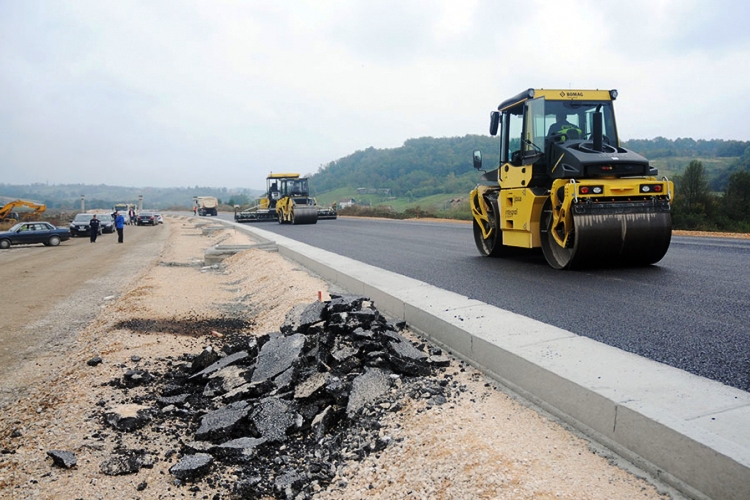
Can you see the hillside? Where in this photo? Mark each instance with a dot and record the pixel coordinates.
(68, 196)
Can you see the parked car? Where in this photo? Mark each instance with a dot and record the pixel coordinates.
(159, 219)
(146, 218)
(107, 223)
(80, 225)
(29, 233)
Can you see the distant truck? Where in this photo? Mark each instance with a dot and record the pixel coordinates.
(205, 205)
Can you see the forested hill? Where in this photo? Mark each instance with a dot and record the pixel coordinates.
(427, 166)
(665, 148)
(421, 167)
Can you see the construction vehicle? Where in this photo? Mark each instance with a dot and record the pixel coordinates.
(123, 208)
(286, 200)
(330, 212)
(206, 205)
(7, 212)
(564, 183)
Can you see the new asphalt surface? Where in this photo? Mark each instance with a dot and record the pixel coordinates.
(690, 311)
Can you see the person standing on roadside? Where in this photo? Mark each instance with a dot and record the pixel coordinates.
(119, 225)
(94, 228)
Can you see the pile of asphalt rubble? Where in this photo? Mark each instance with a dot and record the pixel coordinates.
(285, 410)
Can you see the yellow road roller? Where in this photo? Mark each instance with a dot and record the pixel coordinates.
(565, 184)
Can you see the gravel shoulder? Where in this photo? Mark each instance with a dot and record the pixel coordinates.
(484, 443)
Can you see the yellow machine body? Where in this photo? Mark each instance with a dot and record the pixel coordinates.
(566, 185)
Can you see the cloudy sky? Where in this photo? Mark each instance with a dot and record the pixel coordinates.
(170, 93)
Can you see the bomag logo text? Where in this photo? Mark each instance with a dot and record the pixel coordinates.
(571, 94)
(511, 213)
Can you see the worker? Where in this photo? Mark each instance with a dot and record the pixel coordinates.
(564, 127)
(94, 224)
(119, 226)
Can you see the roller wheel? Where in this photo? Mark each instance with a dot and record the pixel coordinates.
(557, 256)
(492, 246)
(280, 217)
(291, 218)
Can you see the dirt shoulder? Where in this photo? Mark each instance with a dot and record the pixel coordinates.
(482, 444)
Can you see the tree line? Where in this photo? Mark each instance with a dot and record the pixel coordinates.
(696, 207)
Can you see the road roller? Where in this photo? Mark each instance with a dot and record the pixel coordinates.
(294, 204)
(286, 200)
(564, 184)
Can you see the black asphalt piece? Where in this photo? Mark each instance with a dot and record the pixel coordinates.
(64, 459)
(124, 462)
(286, 409)
(96, 360)
(192, 467)
(277, 356)
(221, 423)
(134, 378)
(128, 418)
(222, 363)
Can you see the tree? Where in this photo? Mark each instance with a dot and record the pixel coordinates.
(693, 188)
(736, 203)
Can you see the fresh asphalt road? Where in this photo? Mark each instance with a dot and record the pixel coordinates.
(691, 310)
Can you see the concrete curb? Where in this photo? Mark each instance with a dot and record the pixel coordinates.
(690, 432)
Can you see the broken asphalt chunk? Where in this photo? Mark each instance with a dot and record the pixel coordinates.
(124, 462)
(273, 417)
(221, 424)
(64, 459)
(96, 360)
(240, 447)
(192, 467)
(221, 363)
(128, 418)
(277, 355)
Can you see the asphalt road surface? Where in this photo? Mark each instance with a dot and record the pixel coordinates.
(48, 293)
(691, 310)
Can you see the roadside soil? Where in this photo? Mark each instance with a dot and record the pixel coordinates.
(485, 444)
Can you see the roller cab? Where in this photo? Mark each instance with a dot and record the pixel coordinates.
(564, 184)
(286, 200)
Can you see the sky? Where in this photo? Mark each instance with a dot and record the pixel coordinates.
(168, 93)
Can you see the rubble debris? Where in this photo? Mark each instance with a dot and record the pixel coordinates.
(96, 360)
(128, 418)
(222, 363)
(124, 462)
(64, 459)
(284, 410)
(134, 378)
(221, 423)
(192, 467)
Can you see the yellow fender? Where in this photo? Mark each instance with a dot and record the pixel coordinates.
(561, 215)
(479, 211)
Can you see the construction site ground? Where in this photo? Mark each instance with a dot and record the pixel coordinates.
(62, 308)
